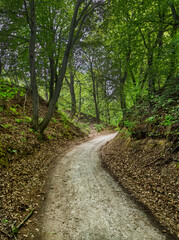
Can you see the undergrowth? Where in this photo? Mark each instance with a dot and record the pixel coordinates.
(155, 116)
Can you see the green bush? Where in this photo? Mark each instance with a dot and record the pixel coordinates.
(99, 127)
(8, 92)
(26, 119)
(85, 127)
(169, 120)
(130, 125)
(14, 110)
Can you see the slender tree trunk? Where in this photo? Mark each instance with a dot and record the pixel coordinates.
(79, 103)
(160, 43)
(107, 113)
(35, 98)
(173, 61)
(59, 83)
(95, 94)
(122, 94)
(0, 67)
(52, 77)
(46, 86)
(151, 77)
(52, 62)
(142, 82)
(122, 84)
(175, 15)
(133, 78)
(72, 94)
(173, 55)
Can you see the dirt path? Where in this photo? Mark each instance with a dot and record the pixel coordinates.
(84, 202)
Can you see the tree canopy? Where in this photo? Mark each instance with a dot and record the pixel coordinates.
(97, 57)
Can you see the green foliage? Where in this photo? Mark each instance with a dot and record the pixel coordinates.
(26, 119)
(8, 92)
(50, 137)
(169, 120)
(130, 125)
(134, 40)
(6, 125)
(64, 119)
(54, 120)
(19, 120)
(4, 221)
(14, 110)
(10, 150)
(85, 127)
(124, 133)
(14, 230)
(151, 119)
(99, 127)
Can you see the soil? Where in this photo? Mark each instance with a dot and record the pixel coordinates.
(146, 169)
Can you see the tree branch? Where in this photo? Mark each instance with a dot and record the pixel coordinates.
(67, 81)
(84, 18)
(27, 15)
(175, 15)
(82, 13)
(145, 44)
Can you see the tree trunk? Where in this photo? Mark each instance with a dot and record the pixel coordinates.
(107, 113)
(72, 94)
(73, 97)
(35, 98)
(52, 77)
(173, 55)
(79, 103)
(95, 94)
(173, 61)
(175, 15)
(59, 83)
(151, 78)
(122, 95)
(133, 78)
(122, 84)
(0, 67)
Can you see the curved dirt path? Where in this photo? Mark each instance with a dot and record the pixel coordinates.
(84, 202)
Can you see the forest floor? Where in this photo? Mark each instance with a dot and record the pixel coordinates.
(26, 159)
(27, 163)
(147, 171)
(24, 184)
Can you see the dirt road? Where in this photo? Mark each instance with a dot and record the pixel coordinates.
(84, 202)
